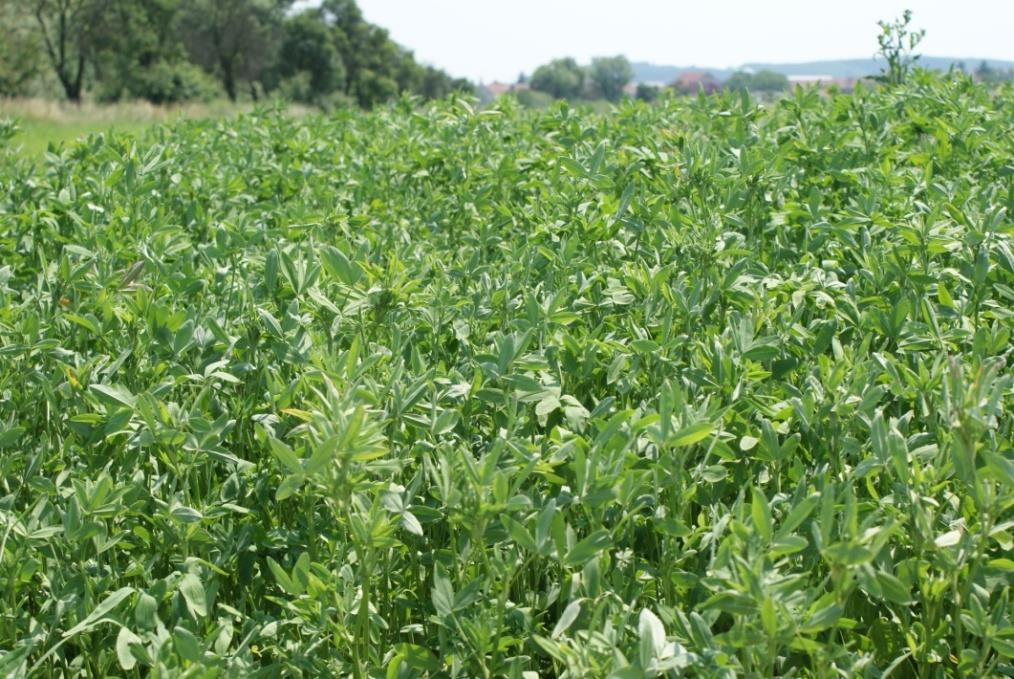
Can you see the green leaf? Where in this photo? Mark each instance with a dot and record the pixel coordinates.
(545, 407)
(124, 640)
(146, 611)
(285, 455)
(282, 578)
(519, 534)
(948, 539)
(570, 614)
(442, 593)
(692, 434)
(83, 321)
(894, 589)
(761, 513)
(339, 266)
(417, 657)
(762, 353)
(99, 612)
(944, 296)
(289, 486)
(588, 548)
(192, 590)
(789, 544)
(113, 395)
(543, 526)
(652, 637)
(769, 619)
(186, 514)
(798, 514)
(187, 645)
(1001, 467)
(8, 437)
(272, 324)
(822, 619)
(410, 523)
(645, 346)
(11, 660)
(573, 167)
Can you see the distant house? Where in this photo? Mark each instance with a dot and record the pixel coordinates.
(691, 82)
(498, 89)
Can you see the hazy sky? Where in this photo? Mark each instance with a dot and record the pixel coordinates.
(496, 39)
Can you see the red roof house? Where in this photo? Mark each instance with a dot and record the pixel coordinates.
(690, 82)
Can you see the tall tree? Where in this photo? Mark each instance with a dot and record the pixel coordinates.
(143, 56)
(351, 36)
(234, 39)
(761, 81)
(376, 68)
(560, 78)
(308, 47)
(20, 49)
(71, 32)
(609, 75)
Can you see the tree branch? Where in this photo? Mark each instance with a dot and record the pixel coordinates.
(50, 49)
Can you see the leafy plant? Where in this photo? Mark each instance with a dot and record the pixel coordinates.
(897, 46)
(704, 387)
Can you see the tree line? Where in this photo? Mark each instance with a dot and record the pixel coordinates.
(604, 78)
(170, 51)
(608, 77)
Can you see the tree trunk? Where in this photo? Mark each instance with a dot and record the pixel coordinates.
(72, 90)
(73, 84)
(75, 94)
(58, 54)
(228, 78)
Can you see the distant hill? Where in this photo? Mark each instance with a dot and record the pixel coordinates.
(656, 73)
(842, 68)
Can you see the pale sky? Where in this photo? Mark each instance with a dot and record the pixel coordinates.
(496, 39)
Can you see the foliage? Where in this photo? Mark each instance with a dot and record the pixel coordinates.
(164, 82)
(71, 32)
(603, 79)
(988, 74)
(152, 50)
(308, 47)
(648, 93)
(234, 39)
(8, 129)
(560, 79)
(19, 49)
(607, 76)
(897, 44)
(534, 99)
(701, 388)
(761, 81)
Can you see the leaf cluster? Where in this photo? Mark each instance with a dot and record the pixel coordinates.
(704, 387)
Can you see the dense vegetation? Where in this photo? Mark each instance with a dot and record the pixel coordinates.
(170, 51)
(705, 387)
(604, 78)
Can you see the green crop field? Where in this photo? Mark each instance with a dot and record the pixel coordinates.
(706, 388)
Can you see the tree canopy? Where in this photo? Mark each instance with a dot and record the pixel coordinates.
(761, 81)
(560, 78)
(564, 78)
(173, 50)
(609, 75)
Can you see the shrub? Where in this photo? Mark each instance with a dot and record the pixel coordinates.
(162, 83)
